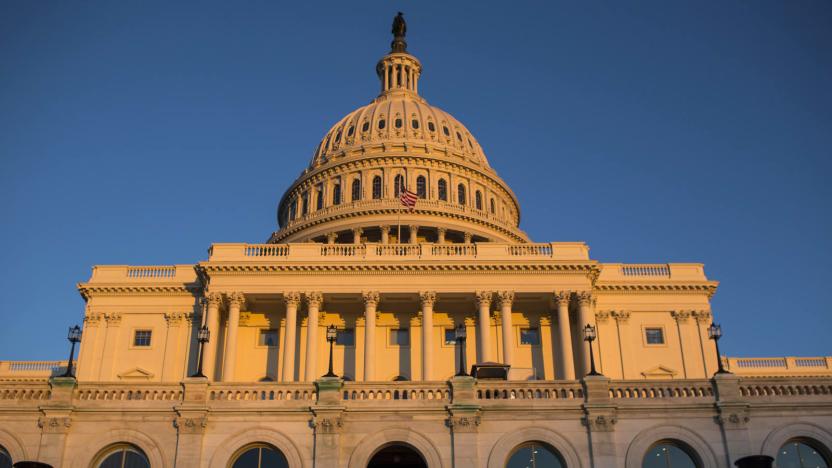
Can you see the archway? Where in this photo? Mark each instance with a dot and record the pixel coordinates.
(397, 455)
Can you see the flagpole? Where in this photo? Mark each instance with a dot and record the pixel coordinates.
(398, 221)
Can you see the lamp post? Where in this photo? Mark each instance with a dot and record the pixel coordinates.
(589, 336)
(203, 336)
(460, 335)
(715, 333)
(331, 336)
(74, 336)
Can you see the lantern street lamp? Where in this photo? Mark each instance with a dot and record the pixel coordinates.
(203, 336)
(715, 333)
(460, 335)
(331, 336)
(589, 336)
(74, 336)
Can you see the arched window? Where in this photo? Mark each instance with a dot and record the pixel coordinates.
(493, 207)
(398, 185)
(5, 459)
(421, 187)
(673, 453)
(122, 456)
(442, 188)
(415, 124)
(460, 194)
(376, 187)
(319, 201)
(259, 456)
(478, 199)
(398, 122)
(802, 453)
(397, 454)
(293, 208)
(336, 194)
(535, 454)
(356, 190)
(304, 204)
(381, 124)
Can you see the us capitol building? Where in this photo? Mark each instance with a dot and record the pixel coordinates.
(404, 304)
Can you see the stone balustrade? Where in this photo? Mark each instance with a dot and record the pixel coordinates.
(651, 390)
(28, 370)
(779, 366)
(396, 391)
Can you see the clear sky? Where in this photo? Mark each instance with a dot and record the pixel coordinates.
(141, 132)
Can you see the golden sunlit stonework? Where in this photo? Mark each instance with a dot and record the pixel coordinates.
(399, 286)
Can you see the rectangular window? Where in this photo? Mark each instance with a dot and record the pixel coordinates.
(654, 336)
(400, 337)
(530, 336)
(345, 337)
(450, 336)
(267, 338)
(142, 338)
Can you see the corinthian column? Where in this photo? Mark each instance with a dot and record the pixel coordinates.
(292, 299)
(484, 306)
(212, 321)
(566, 360)
(385, 233)
(370, 303)
(506, 298)
(585, 318)
(235, 301)
(427, 298)
(313, 304)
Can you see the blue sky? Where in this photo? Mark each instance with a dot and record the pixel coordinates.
(141, 132)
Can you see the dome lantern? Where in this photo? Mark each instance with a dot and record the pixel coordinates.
(399, 71)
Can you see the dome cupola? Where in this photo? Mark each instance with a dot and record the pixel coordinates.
(351, 190)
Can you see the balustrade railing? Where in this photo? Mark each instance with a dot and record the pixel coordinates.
(529, 390)
(396, 391)
(539, 250)
(266, 250)
(343, 250)
(773, 388)
(219, 392)
(454, 250)
(161, 271)
(135, 392)
(629, 389)
(399, 250)
(645, 270)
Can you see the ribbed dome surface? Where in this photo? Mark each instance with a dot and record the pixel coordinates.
(399, 117)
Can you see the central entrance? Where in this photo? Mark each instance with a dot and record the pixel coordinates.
(397, 455)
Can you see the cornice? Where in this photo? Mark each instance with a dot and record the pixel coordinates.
(347, 213)
(708, 287)
(88, 290)
(232, 269)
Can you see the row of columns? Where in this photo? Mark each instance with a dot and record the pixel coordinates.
(385, 235)
(427, 300)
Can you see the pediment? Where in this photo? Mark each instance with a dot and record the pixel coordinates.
(136, 374)
(659, 372)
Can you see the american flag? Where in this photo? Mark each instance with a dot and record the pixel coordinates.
(408, 198)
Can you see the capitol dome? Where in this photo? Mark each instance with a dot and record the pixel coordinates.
(350, 193)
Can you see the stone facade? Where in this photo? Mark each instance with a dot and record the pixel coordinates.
(396, 284)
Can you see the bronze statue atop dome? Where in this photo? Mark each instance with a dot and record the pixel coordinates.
(399, 31)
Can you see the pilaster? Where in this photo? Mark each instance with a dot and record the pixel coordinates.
(733, 416)
(191, 421)
(327, 421)
(600, 418)
(55, 421)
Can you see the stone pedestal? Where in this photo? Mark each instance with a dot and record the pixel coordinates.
(56, 420)
(600, 419)
(464, 421)
(732, 415)
(191, 421)
(327, 421)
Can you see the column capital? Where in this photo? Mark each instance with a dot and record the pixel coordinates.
(213, 298)
(370, 297)
(563, 297)
(413, 227)
(620, 315)
(505, 298)
(236, 298)
(442, 230)
(93, 319)
(358, 231)
(484, 298)
(291, 298)
(314, 298)
(680, 315)
(113, 319)
(585, 298)
(427, 298)
(467, 236)
(602, 316)
(174, 319)
(384, 227)
(330, 238)
(703, 315)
